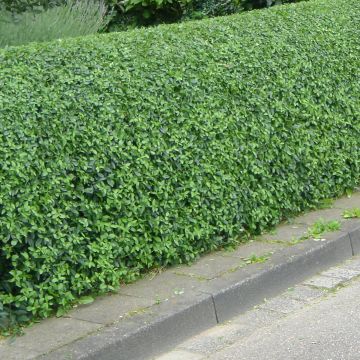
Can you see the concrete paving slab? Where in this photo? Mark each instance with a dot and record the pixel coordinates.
(348, 225)
(90, 347)
(10, 352)
(341, 273)
(282, 304)
(304, 293)
(327, 214)
(110, 308)
(324, 282)
(163, 286)
(208, 267)
(256, 318)
(257, 247)
(353, 265)
(53, 333)
(286, 233)
(348, 202)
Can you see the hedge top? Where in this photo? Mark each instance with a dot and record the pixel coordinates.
(128, 151)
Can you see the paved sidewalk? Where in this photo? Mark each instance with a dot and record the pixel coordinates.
(171, 305)
(316, 320)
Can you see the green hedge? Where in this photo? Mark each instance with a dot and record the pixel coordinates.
(124, 152)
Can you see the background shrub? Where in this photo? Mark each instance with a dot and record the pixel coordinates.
(75, 18)
(18, 6)
(258, 4)
(128, 14)
(124, 152)
(212, 8)
(149, 12)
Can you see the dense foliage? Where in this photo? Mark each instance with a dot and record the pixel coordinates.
(124, 152)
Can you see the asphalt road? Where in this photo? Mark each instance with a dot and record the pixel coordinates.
(328, 330)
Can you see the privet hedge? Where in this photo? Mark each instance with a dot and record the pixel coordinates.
(124, 152)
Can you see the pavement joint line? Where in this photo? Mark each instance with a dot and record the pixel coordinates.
(59, 347)
(129, 296)
(321, 287)
(87, 321)
(351, 244)
(194, 276)
(352, 241)
(216, 315)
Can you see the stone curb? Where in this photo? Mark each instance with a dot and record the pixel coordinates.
(289, 267)
(148, 334)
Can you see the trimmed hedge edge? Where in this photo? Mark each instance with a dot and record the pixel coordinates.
(124, 152)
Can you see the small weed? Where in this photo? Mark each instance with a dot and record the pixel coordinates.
(321, 226)
(351, 213)
(178, 291)
(314, 232)
(157, 301)
(135, 312)
(254, 259)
